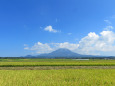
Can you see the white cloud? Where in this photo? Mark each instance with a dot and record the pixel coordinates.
(41, 48)
(49, 47)
(26, 47)
(92, 44)
(50, 29)
(107, 21)
(86, 44)
(109, 28)
(71, 46)
(69, 33)
(108, 36)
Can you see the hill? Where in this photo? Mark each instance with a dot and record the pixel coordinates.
(61, 53)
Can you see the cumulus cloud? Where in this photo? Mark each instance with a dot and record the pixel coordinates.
(50, 29)
(41, 48)
(49, 47)
(92, 44)
(97, 43)
(71, 46)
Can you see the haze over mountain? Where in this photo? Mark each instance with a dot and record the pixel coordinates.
(62, 52)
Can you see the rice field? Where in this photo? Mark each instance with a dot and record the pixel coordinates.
(55, 62)
(69, 77)
(57, 72)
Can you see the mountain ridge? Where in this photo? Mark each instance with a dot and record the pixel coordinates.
(61, 53)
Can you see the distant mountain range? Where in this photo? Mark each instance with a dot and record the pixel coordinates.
(61, 53)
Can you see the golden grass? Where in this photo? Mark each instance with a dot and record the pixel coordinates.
(68, 77)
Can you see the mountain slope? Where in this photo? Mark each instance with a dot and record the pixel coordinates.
(62, 52)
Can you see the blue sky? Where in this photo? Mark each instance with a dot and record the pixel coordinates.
(42, 26)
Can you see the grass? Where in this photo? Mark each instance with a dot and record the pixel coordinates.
(69, 77)
(53, 62)
(58, 63)
(33, 60)
(56, 72)
(49, 60)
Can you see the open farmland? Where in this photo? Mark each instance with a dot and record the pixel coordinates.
(54, 62)
(69, 77)
(57, 72)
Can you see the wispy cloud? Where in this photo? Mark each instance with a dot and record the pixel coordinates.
(69, 33)
(109, 28)
(50, 29)
(56, 20)
(113, 16)
(26, 47)
(107, 21)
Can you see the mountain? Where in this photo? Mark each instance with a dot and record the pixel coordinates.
(29, 56)
(61, 53)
